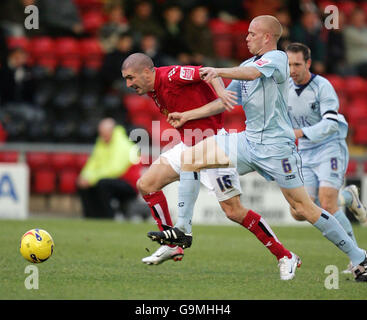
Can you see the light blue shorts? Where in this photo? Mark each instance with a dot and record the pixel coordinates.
(276, 162)
(325, 165)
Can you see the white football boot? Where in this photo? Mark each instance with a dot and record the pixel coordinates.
(164, 253)
(349, 268)
(288, 266)
(357, 206)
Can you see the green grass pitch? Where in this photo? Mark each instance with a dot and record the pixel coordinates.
(99, 260)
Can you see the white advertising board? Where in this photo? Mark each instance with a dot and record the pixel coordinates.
(14, 190)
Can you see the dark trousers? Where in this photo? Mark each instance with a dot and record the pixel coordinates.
(96, 200)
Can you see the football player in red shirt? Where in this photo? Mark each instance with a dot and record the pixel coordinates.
(178, 89)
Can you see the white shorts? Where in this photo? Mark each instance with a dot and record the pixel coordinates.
(223, 182)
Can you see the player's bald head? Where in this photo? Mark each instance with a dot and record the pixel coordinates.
(269, 24)
(137, 62)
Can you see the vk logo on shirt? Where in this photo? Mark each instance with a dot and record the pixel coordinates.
(300, 122)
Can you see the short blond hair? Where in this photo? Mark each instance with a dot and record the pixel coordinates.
(272, 25)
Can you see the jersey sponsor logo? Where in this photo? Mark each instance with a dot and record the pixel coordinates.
(262, 62)
(187, 73)
(290, 177)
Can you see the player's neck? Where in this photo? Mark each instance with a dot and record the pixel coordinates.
(305, 80)
(151, 81)
(266, 49)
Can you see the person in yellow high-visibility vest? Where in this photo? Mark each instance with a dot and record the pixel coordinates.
(111, 171)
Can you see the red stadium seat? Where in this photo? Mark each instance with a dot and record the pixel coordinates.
(80, 160)
(67, 181)
(343, 104)
(44, 181)
(37, 160)
(360, 134)
(338, 83)
(356, 113)
(356, 87)
(67, 47)
(18, 42)
(42, 46)
(43, 53)
(352, 167)
(222, 37)
(92, 53)
(68, 52)
(92, 21)
(9, 156)
(62, 160)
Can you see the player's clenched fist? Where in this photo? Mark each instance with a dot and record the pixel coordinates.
(208, 73)
(176, 119)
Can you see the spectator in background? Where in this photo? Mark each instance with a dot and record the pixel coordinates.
(173, 43)
(3, 47)
(199, 37)
(336, 49)
(59, 18)
(16, 82)
(18, 110)
(308, 32)
(285, 20)
(111, 67)
(149, 45)
(355, 35)
(116, 24)
(143, 21)
(111, 172)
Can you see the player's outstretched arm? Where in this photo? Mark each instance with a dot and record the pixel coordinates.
(178, 119)
(229, 98)
(238, 73)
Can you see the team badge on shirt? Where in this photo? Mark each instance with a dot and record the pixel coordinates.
(187, 73)
(262, 62)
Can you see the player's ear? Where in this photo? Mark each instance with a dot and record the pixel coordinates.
(308, 63)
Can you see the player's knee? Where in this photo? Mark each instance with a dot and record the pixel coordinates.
(328, 205)
(144, 187)
(296, 215)
(188, 163)
(299, 212)
(234, 212)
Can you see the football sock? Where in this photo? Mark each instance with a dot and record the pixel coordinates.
(188, 191)
(159, 208)
(345, 223)
(345, 198)
(258, 226)
(333, 231)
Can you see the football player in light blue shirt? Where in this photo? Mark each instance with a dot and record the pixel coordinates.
(266, 146)
(313, 109)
